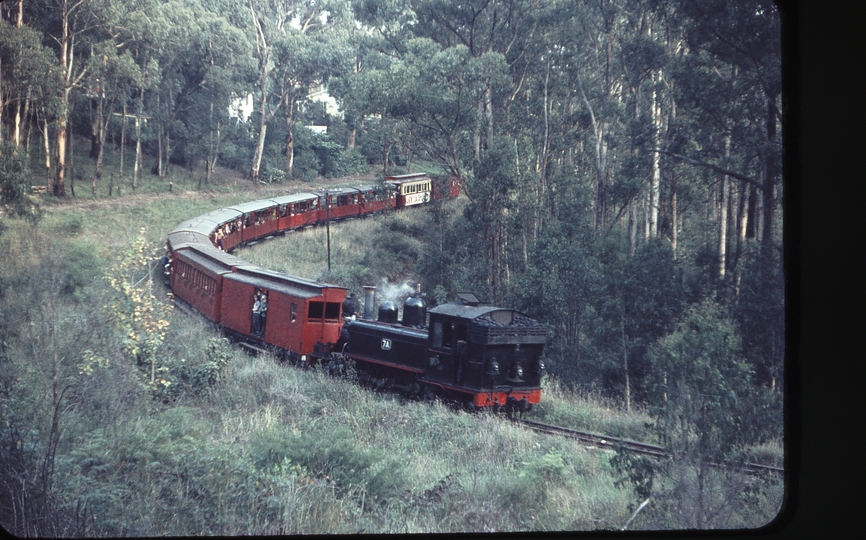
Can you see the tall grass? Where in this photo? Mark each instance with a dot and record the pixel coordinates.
(566, 407)
(272, 449)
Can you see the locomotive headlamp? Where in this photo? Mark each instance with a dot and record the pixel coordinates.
(516, 374)
(492, 367)
(539, 366)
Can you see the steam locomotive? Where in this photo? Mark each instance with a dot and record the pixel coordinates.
(467, 351)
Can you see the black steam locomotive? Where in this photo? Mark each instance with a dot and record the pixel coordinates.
(470, 352)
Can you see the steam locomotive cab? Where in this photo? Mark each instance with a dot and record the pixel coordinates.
(493, 352)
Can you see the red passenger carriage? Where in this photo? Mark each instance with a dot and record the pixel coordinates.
(260, 218)
(228, 232)
(298, 210)
(198, 277)
(302, 315)
(377, 198)
(342, 203)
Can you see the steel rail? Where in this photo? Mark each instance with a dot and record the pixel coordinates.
(637, 447)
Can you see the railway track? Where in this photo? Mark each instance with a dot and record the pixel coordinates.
(636, 447)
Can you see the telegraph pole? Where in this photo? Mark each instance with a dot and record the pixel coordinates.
(328, 226)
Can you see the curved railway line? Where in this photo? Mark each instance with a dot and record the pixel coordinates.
(612, 443)
(204, 276)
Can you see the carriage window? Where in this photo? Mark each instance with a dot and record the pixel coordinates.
(332, 310)
(294, 315)
(317, 309)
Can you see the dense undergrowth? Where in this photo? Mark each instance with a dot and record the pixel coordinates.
(195, 437)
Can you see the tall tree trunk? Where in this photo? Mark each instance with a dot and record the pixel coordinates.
(723, 210)
(289, 103)
(625, 365)
(67, 57)
(255, 169)
(601, 174)
(260, 148)
(742, 218)
(545, 152)
(122, 140)
(70, 157)
(47, 146)
(632, 228)
(488, 102)
(645, 202)
(166, 163)
(99, 144)
(136, 169)
(655, 183)
(25, 114)
(751, 209)
(674, 220)
(59, 188)
(771, 168)
(95, 124)
(16, 131)
(476, 134)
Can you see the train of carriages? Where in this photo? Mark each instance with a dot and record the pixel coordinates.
(468, 351)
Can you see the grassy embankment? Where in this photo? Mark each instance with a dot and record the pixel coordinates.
(270, 449)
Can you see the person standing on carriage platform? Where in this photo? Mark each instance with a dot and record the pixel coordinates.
(257, 314)
(263, 312)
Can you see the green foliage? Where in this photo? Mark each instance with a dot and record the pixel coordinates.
(760, 315)
(701, 393)
(706, 411)
(334, 455)
(211, 371)
(15, 183)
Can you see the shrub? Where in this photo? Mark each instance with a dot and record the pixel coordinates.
(210, 372)
(15, 182)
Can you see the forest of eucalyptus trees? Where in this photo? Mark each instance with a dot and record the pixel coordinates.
(622, 158)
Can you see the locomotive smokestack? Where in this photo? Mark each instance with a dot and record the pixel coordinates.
(369, 302)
